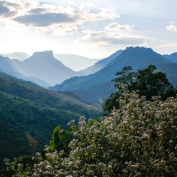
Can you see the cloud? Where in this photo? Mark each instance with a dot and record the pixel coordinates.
(62, 14)
(35, 15)
(5, 9)
(172, 27)
(166, 48)
(37, 11)
(44, 20)
(117, 27)
(166, 45)
(104, 39)
(172, 22)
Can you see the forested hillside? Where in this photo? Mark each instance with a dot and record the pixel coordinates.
(28, 108)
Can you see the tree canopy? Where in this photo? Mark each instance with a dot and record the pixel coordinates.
(148, 82)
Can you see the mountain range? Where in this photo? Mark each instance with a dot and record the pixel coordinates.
(47, 69)
(42, 68)
(137, 57)
(25, 107)
(16, 55)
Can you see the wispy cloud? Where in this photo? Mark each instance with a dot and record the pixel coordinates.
(166, 45)
(65, 29)
(105, 39)
(117, 27)
(166, 48)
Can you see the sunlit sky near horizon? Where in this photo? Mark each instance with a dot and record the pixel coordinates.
(94, 29)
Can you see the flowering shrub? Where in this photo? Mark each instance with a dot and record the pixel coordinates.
(139, 139)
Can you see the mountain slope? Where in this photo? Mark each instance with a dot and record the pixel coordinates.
(45, 67)
(96, 94)
(172, 57)
(8, 66)
(137, 57)
(27, 108)
(100, 64)
(44, 97)
(75, 62)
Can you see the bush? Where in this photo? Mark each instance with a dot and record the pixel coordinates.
(139, 139)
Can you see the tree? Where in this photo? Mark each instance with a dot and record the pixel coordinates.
(147, 81)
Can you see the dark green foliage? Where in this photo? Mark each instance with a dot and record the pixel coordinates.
(19, 116)
(26, 108)
(147, 81)
(43, 96)
(61, 139)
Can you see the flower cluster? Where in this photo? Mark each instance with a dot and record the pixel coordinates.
(139, 139)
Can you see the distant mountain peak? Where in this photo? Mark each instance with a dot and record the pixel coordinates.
(43, 54)
(139, 49)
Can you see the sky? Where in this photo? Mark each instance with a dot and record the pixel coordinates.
(94, 29)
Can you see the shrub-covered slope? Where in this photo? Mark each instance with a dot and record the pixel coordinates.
(139, 139)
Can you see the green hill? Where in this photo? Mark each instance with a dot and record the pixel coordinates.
(27, 108)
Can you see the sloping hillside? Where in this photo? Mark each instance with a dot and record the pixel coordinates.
(8, 66)
(28, 108)
(99, 65)
(45, 67)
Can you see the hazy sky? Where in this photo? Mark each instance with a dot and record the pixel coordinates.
(92, 28)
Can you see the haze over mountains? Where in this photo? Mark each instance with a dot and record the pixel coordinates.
(42, 68)
(75, 62)
(137, 57)
(16, 55)
(100, 64)
(45, 69)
